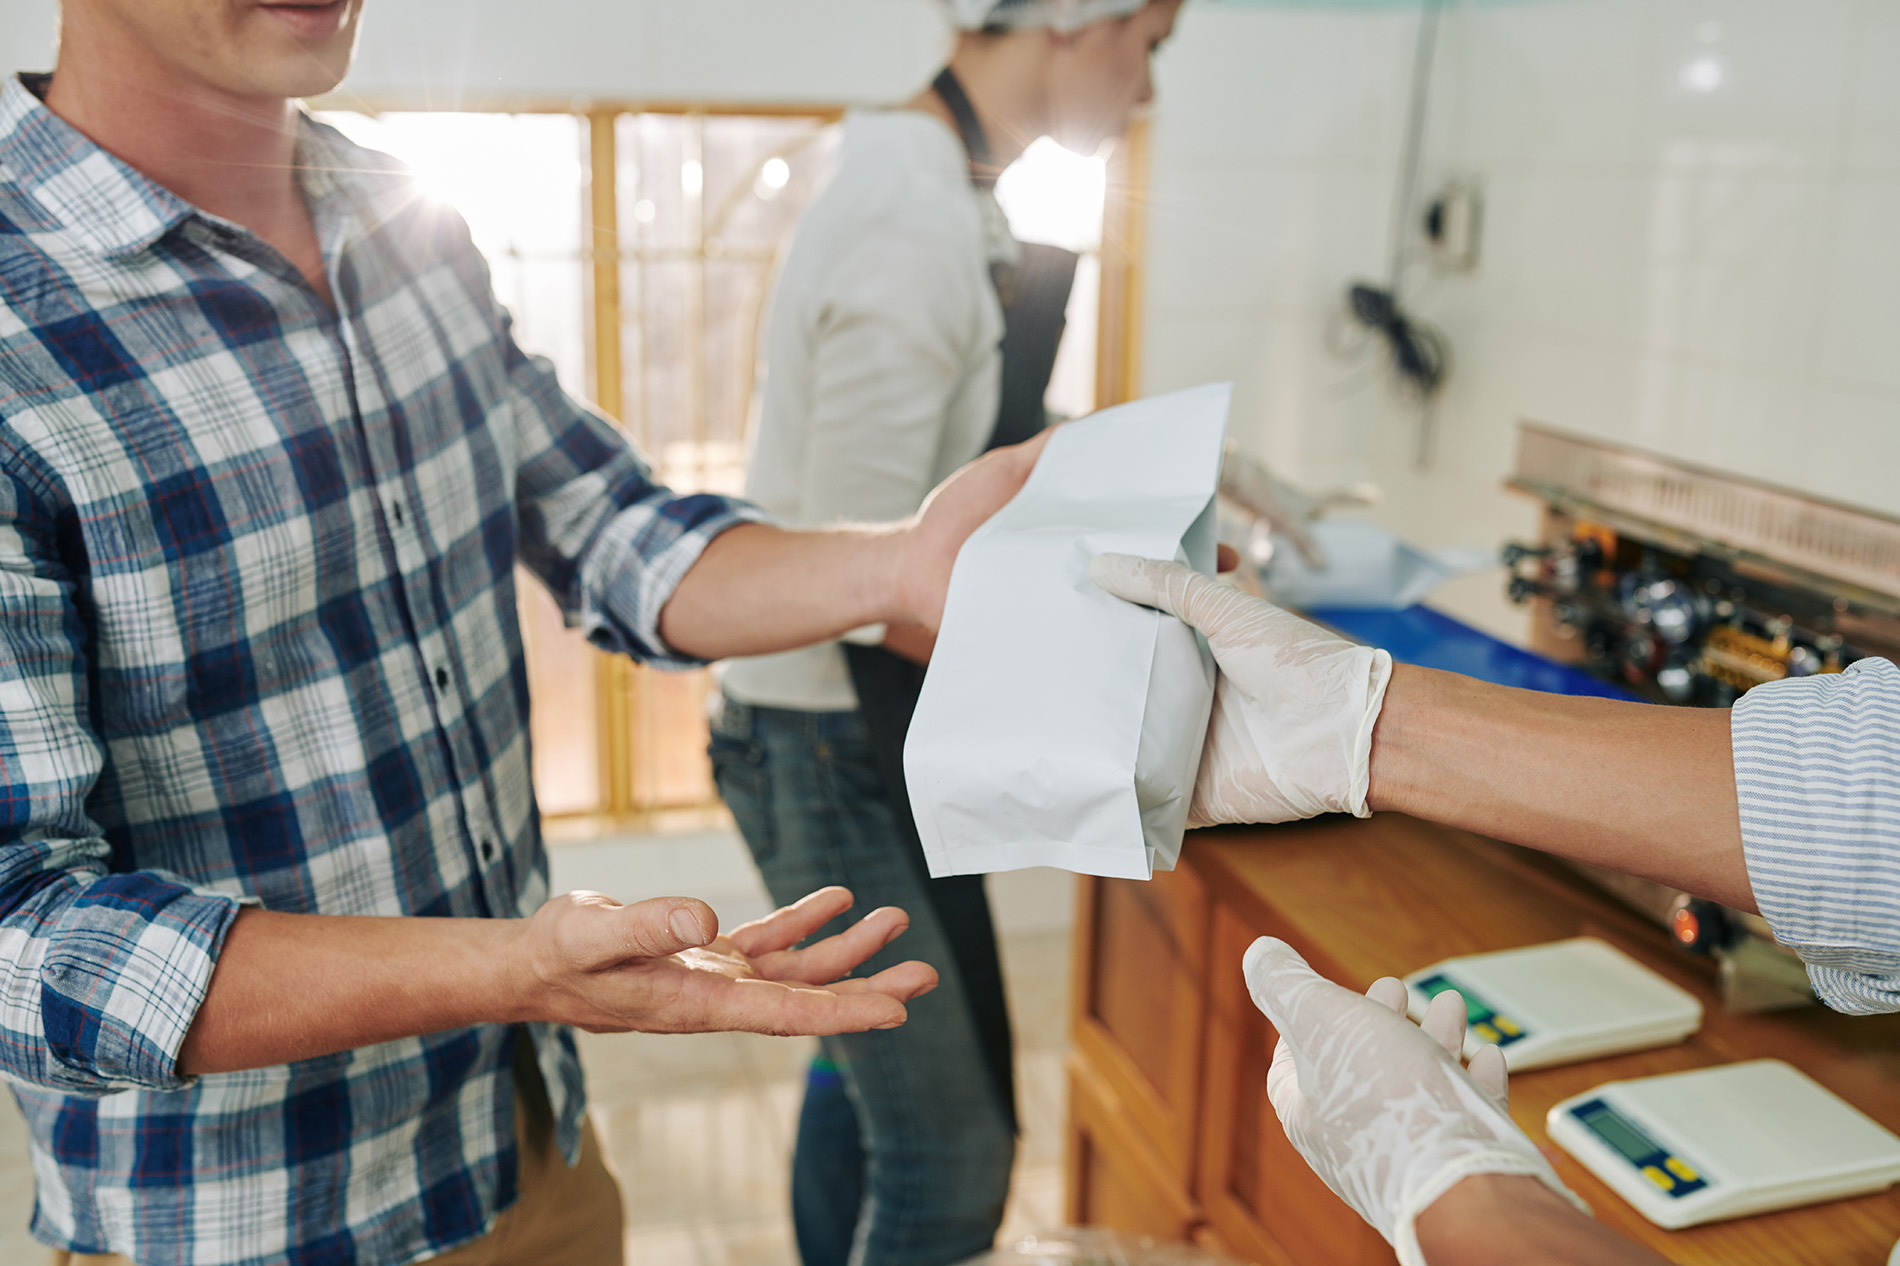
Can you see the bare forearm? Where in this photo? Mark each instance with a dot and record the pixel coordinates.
(296, 986)
(1511, 1220)
(759, 589)
(1637, 788)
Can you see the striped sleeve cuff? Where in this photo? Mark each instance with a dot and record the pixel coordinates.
(1817, 775)
(128, 964)
(642, 556)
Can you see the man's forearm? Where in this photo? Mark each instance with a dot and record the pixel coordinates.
(1637, 788)
(1512, 1220)
(759, 589)
(296, 986)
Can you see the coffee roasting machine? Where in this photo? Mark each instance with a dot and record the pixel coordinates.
(1685, 585)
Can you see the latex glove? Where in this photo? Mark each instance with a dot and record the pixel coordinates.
(1381, 1108)
(1294, 706)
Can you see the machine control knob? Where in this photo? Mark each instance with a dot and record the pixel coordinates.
(1677, 677)
(1670, 608)
(1699, 925)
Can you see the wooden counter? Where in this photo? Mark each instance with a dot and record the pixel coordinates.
(1171, 1133)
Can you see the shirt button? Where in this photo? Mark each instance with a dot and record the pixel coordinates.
(395, 512)
(488, 849)
(441, 679)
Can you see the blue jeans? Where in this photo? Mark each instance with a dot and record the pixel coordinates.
(904, 1143)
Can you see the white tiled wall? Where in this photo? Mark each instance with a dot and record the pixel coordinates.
(1708, 273)
(1712, 274)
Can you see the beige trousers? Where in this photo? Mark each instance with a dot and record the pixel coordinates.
(562, 1216)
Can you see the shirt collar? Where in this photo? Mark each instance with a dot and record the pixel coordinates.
(348, 189)
(121, 211)
(100, 198)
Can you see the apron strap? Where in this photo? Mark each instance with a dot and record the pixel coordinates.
(976, 142)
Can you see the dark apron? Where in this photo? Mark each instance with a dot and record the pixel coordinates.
(1034, 297)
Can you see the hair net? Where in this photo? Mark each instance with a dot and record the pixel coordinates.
(1067, 15)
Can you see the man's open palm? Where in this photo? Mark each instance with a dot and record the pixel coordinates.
(659, 966)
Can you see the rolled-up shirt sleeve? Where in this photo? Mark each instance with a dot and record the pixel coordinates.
(101, 973)
(1817, 774)
(609, 542)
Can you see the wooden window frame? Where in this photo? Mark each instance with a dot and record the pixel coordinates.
(622, 720)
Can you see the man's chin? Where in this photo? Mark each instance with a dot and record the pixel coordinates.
(280, 61)
(1089, 136)
(294, 76)
(1088, 143)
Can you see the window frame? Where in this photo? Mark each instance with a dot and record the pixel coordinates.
(624, 720)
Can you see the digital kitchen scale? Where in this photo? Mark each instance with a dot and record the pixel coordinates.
(1726, 1142)
(1559, 1003)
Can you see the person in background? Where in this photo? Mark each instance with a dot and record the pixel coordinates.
(907, 332)
(281, 977)
(1788, 805)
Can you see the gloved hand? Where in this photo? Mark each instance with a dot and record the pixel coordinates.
(1382, 1109)
(1294, 706)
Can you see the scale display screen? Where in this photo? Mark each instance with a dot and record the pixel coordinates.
(1670, 1173)
(1486, 1023)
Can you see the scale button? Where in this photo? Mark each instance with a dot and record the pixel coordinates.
(1680, 1168)
(1485, 1032)
(1507, 1027)
(1659, 1178)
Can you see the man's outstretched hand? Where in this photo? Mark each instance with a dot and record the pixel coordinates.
(928, 544)
(661, 966)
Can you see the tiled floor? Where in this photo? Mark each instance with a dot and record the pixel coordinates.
(700, 1126)
(16, 1191)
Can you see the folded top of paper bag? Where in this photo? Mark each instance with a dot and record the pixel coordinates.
(1059, 726)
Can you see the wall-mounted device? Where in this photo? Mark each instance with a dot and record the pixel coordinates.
(1453, 224)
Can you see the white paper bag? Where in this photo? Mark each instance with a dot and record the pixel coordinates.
(1060, 726)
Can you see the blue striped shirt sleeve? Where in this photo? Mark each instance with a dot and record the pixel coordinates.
(1817, 773)
(101, 974)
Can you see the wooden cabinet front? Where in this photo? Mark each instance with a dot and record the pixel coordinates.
(1116, 1179)
(1140, 987)
(1260, 1196)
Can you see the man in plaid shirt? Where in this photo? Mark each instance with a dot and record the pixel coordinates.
(280, 977)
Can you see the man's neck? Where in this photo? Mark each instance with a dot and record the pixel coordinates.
(231, 156)
(1003, 77)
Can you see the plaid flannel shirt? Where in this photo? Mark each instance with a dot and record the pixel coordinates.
(258, 643)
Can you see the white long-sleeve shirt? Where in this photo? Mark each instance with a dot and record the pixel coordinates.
(882, 366)
(1817, 772)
